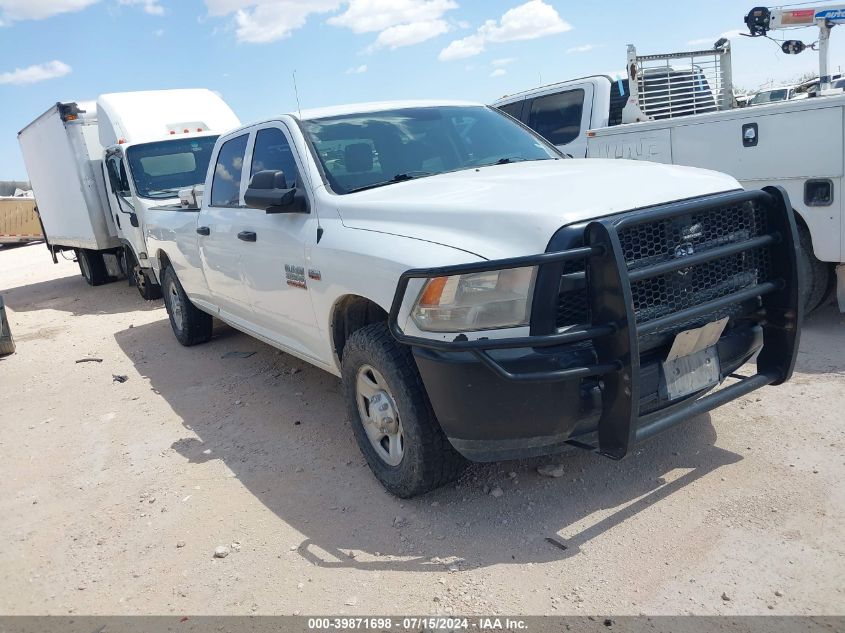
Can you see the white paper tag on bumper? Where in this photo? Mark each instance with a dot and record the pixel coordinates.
(689, 342)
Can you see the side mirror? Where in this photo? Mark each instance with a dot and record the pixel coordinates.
(268, 190)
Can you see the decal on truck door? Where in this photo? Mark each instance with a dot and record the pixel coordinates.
(295, 276)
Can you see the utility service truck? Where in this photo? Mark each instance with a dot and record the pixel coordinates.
(98, 169)
(679, 108)
(482, 296)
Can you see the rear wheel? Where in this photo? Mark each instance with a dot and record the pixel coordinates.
(191, 326)
(391, 417)
(92, 266)
(141, 279)
(815, 275)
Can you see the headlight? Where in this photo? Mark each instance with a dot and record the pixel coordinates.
(476, 301)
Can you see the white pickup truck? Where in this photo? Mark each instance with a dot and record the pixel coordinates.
(481, 295)
(797, 144)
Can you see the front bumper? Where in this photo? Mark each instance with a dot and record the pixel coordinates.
(532, 395)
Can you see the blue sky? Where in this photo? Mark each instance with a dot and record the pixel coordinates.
(346, 51)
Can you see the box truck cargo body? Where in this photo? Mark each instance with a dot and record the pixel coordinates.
(62, 153)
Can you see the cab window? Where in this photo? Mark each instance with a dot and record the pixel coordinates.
(557, 117)
(117, 175)
(514, 109)
(226, 184)
(273, 152)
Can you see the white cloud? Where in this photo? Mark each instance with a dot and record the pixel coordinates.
(398, 22)
(158, 32)
(586, 48)
(408, 34)
(263, 21)
(12, 10)
(499, 72)
(459, 49)
(150, 6)
(368, 16)
(17, 10)
(528, 21)
(505, 61)
(35, 73)
(356, 70)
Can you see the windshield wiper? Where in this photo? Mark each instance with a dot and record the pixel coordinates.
(172, 192)
(409, 175)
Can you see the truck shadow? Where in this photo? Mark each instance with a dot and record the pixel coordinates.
(822, 349)
(73, 295)
(279, 426)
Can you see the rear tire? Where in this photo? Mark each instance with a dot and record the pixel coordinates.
(191, 326)
(141, 279)
(815, 275)
(386, 402)
(92, 266)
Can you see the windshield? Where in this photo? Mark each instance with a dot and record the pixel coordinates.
(161, 169)
(363, 151)
(769, 96)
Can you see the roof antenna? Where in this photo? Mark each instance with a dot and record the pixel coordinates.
(296, 92)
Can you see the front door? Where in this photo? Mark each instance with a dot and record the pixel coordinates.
(275, 269)
(125, 216)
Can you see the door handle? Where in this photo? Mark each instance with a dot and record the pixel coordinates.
(203, 230)
(247, 236)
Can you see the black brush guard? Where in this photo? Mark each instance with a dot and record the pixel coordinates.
(614, 330)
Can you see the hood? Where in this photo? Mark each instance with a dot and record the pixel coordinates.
(514, 209)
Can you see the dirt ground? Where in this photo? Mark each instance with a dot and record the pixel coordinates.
(114, 496)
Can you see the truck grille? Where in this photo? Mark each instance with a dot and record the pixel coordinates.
(645, 245)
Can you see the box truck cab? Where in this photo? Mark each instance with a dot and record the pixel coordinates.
(98, 169)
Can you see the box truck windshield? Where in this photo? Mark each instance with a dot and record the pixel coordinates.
(160, 169)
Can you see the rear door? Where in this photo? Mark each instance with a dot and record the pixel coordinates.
(220, 231)
(274, 266)
(563, 117)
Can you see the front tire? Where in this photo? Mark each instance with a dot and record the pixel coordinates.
(191, 326)
(92, 266)
(141, 279)
(391, 417)
(815, 275)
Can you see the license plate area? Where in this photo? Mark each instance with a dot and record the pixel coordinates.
(687, 374)
(693, 362)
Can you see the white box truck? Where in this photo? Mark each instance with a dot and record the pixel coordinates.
(99, 168)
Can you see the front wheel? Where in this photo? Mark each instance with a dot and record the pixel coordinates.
(141, 279)
(391, 417)
(191, 326)
(815, 274)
